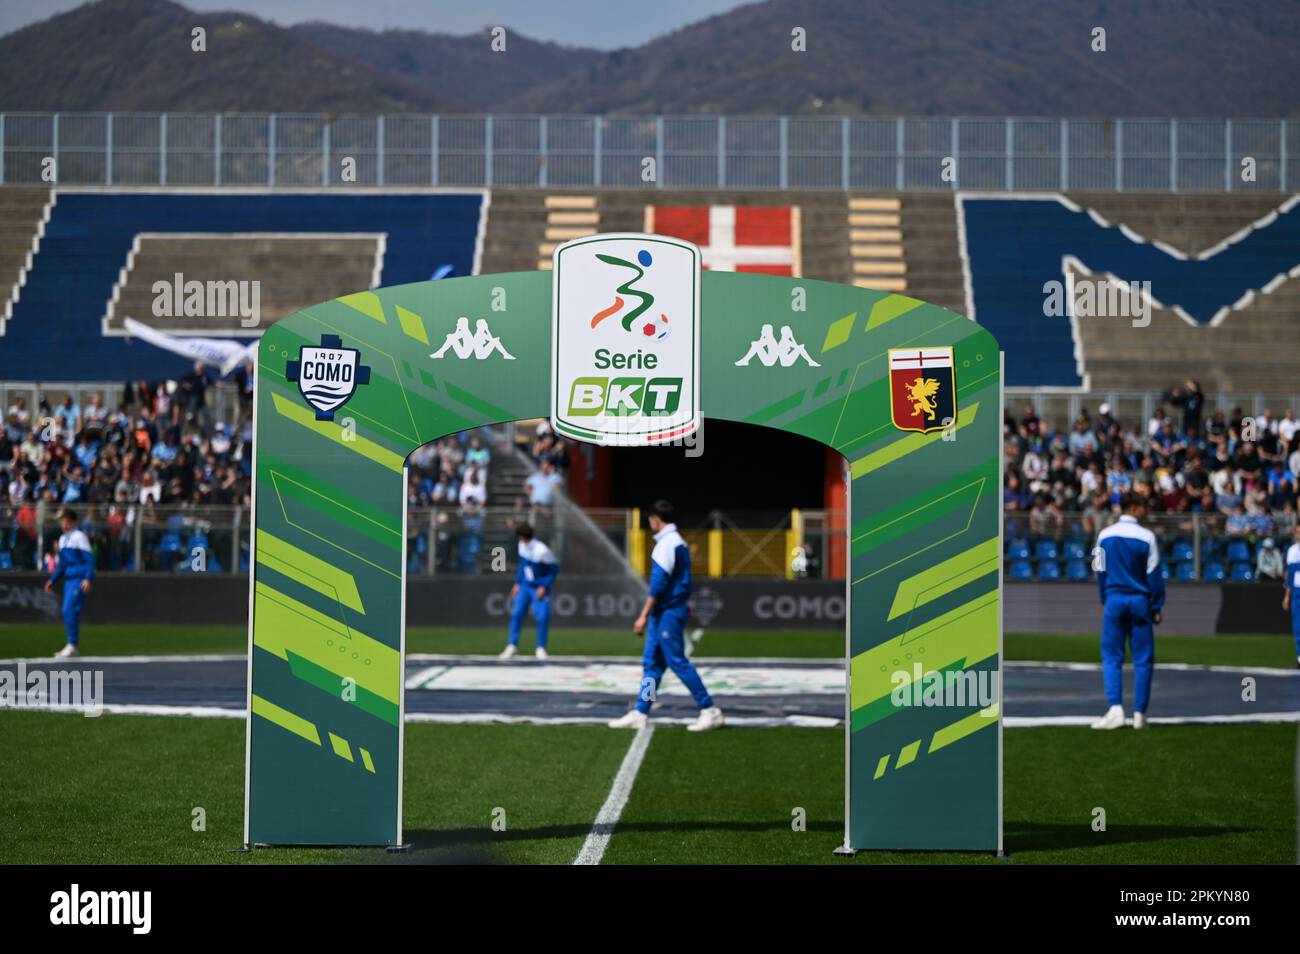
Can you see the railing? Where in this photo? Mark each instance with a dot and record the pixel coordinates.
(223, 400)
(1045, 545)
(1039, 544)
(1061, 406)
(681, 152)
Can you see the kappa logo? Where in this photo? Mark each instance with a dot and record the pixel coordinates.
(327, 375)
(480, 344)
(770, 351)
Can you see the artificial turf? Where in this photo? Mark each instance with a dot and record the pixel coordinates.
(123, 789)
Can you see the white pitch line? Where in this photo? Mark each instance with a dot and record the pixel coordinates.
(593, 849)
(68, 661)
(738, 722)
(1035, 722)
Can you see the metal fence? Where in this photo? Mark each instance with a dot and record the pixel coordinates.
(1040, 544)
(1062, 406)
(680, 152)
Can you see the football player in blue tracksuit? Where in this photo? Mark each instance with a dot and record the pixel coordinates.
(1127, 561)
(76, 567)
(663, 622)
(533, 584)
(1291, 594)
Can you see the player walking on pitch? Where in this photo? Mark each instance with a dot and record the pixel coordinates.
(533, 583)
(1127, 561)
(76, 567)
(663, 622)
(1291, 594)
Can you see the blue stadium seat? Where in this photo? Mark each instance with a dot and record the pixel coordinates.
(1049, 570)
(6, 560)
(1021, 570)
(1047, 550)
(1239, 552)
(1181, 551)
(1018, 550)
(1074, 550)
(89, 236)
(1184, 571)
(1242, 572)
(1013, 246)
(1166, 573)
(1076, 570)
(1212, 571)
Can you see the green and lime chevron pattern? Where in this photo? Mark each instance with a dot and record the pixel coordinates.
(327, 585)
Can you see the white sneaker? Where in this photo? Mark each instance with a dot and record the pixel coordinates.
(632, 719)
(542, 653)
(1113, 719)
(66, 651)
(1139, 720)
(707, 720)
(508, 652)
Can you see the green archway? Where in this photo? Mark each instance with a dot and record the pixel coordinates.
(327, 583)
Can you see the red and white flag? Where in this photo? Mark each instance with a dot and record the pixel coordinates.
(733, 238)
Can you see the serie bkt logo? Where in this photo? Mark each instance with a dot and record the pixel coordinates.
(625, 342)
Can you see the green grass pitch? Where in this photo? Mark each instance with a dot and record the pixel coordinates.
(110, 640)
(124, 789)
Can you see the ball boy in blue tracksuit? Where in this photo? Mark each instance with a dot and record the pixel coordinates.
(1291, 594)
(76, 567)
(663, 622)
(1127, 561)
(533, 583)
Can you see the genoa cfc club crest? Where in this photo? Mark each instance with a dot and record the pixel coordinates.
(922, 389)
(327, 375)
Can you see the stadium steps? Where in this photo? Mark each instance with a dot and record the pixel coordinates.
(516, 225)
(22, 220)
(823, 238)
(295, 272)
(1253, 350)
(524, 225)
(506, 475)
(875, 225)
(931, 250)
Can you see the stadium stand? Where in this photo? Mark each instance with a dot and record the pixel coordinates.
(97, 254)
(1218, 268)
(55, 332)
(294, 271)
(22, 224)
(1199, 477)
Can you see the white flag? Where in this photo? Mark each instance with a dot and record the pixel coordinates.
(224, 353)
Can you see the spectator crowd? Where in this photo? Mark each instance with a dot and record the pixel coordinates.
(1237, 474)
(160, 447)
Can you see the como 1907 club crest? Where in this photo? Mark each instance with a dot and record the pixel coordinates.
(327, 375)
(922, 389)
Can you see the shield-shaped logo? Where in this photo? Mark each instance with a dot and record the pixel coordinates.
(922, 389)
(625, 340)
(327, 375)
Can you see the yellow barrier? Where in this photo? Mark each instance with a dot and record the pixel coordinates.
(636, 542)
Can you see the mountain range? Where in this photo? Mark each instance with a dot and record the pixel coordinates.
(1184, 58)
